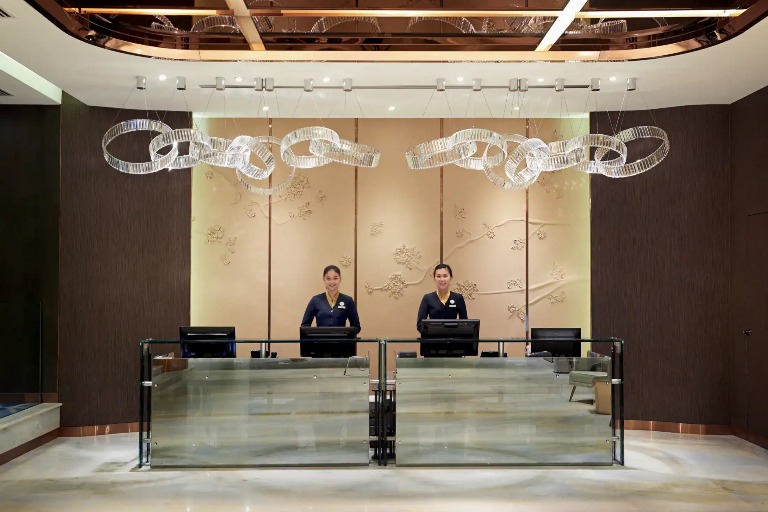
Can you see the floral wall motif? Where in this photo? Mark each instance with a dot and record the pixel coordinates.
(398, 236)
(377, 228)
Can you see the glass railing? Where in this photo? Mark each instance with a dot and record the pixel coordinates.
(260, 411)
(506, 410)
(385, 404)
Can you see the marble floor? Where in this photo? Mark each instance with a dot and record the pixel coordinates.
(664, 472)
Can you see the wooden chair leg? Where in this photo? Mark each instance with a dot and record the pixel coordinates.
(572, 392)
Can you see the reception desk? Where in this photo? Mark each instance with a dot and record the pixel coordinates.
(426, 412)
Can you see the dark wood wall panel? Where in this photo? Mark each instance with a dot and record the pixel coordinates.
(29, 230)
(124, 265)
(749, 197)
(660, 276)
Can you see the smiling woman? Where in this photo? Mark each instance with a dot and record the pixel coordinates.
(332, 308)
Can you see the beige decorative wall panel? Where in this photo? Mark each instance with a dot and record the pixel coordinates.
(398, 228)
(481, 223)
(382, 226)
(559, 238)
(313, 225)
(230, 243)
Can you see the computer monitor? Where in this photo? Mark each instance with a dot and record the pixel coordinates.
(446, 337)
(555, 340)
(328, 342)
(207, 342)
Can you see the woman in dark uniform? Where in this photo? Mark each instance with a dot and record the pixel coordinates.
(442, 304)
(332, 308)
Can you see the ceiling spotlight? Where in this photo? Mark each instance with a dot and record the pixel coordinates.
(459, 78)
(631, 84)
(238, 79)
(515, 108)
(220, 83)
(539, 79)
(265, 108)
(523, 85)
(391, 108)
(326, 79)
(181, 83)
(162, 77)
(612, 79)
(595, 85)
(559, 84)
(141, 82)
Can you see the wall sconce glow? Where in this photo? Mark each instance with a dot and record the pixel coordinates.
(391, 108)
(612, 79)
(459, 78)
(326, 79)
(238, 79)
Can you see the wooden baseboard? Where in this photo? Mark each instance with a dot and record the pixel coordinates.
(679, 428)
(99, 430)
(28, 446)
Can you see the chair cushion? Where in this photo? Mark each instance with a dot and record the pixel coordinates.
(582, 378)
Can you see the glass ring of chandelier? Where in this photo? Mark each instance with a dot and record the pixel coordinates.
(325, 147)
(524, 159)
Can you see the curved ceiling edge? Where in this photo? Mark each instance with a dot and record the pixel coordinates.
(233, 44)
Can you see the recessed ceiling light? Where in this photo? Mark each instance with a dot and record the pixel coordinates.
(265, 108)
(238, 79)
(162, 77)
(612, 79)
(515, 108)
(391, 108)
(326, 79)
(539, 79)
(459, 78)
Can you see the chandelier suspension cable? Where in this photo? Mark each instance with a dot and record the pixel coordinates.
(586, 105)
(615, 126)
(537, 126)
(357, 99)
(117, 114)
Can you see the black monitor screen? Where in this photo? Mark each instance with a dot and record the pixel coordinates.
(328, 342)
(555, 340)
(207, 342)
(446, 337)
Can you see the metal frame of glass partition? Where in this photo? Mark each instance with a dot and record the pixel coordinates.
(494, 370)
(584, 375)
(242, 389)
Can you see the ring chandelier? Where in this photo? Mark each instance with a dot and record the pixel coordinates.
(325, 147)
(524, 159)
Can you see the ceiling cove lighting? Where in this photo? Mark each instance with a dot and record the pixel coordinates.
(561, 24)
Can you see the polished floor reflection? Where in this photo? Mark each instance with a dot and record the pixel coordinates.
(664, 472)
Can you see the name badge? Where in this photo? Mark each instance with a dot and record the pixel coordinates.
(342, 306)
(452, 305)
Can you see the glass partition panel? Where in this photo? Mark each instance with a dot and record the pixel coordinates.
(258, 412)
(506, 411)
